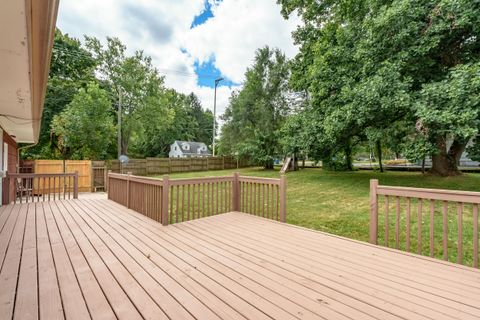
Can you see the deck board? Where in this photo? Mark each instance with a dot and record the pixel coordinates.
(95, 259)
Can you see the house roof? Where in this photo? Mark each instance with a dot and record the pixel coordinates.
(24, 64)
(194, 146)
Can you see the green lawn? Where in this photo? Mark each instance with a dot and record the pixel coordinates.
(338, 203)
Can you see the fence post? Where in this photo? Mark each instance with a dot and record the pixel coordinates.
(223, 163)
(165, 196)
(283, 198)
(373, 211)
(128, 189)
(107, 183)
(75, 185)
(236, 192)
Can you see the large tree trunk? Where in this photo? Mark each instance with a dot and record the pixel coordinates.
(348, 156)
(379, 154)
(445, 162)
(268, 165)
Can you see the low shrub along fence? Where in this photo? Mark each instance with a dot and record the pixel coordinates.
(426, 211)
(176, 200)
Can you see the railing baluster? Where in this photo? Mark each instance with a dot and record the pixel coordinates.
(188, 202)
(408, 223)
(397, 224)
(475, 235)
(445, 230)
(217, 197)
(177, 195)
(432, 227)
(419, 223)
(183, 202)
(268, 199)
(386, 221)
(199, 213)
(460, 232)
(203, 199)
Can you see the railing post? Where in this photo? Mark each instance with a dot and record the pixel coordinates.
(75, 185)
(165, 196)
(236, 192)
(373, 211)
(128, 189)
(283, 198)
(107, 182)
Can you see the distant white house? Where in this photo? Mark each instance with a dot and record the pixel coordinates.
(188, 149)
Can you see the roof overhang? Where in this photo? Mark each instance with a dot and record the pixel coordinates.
(26, 40)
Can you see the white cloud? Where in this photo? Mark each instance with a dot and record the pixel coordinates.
(162, 30)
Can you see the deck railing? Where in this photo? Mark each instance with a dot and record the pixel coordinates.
(35, 187)
(453, 212)
(175, 200)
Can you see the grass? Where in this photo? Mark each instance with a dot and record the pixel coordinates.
(338, 203)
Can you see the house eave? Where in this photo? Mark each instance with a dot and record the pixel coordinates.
(25, 53)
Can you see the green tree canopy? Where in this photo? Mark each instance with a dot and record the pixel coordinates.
(84, 130)
(369, 64)
(256, 113)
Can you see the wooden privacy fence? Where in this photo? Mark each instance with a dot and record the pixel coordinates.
(156, 166)
(33, 187)
(171, 201)
(83, 167)
(450, 215)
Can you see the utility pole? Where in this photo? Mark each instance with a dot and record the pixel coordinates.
(214, 114)
(119, 120)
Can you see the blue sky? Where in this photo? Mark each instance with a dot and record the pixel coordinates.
(207, 72)
(191, 42)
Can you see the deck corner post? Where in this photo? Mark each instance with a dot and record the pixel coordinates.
(165, 196)
(373, 211)
(236, 192)
(75, 185)
(283, 198)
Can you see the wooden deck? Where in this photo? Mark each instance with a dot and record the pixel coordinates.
(92, 258)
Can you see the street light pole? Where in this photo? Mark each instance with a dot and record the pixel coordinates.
(119, 124)
(214, 114)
